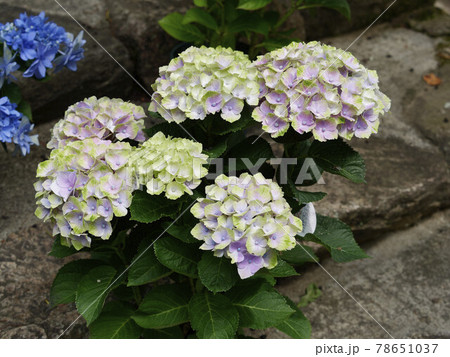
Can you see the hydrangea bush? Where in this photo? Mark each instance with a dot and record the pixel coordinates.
(190, 225)
(35, 46)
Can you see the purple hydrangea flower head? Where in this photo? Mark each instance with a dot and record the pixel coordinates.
(319, 89)
(102, 118)
(247, 220)
(170, 165)
(82, 187)
(204, 81)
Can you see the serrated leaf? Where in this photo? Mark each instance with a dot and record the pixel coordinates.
(341, 6)
(337, 157)
(259, 309)
(181, 232)
(296, 325)
(173, 25)
(306, 197)
(147, 208)
(218, 149)
(59, 250)
(248, 152)
(177, 256)
(64, 287)
(213, 316)
(312, 293)
(217, 274)
(201, 17)
(164, 306)
(115, 322)
(299, 255)
(222, 127)
(172, 129)
(282, 270)
(145, 268)
(337, 237)
(92, 291)
(253, 4)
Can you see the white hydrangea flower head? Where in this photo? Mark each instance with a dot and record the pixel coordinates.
(247, 220)
(170, 165)
(82, 187)
(204, 81)
(320, 89)
(104, 118)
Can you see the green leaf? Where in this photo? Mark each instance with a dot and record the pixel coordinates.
(337, 157)
(253, 4)
(217, 274)
(259, 309)
(25, 108)
(64, 287)
(337, 237)
(181, 232)
(180, 257)
(299, 255)
(201, 3)
(218, 149)
(170, 332)
(251, 152)
(12, 91)
(306, 197)
(249, 22)
(59, 250)
(222, 127)
(147, 208)
(145, 268)
(164, 306)
(115, 322)
(213, 316)
(341, 6)
(296, 325)
(173, 25)
(92, 291)
(282, 270)
(272, 44)
(201, 17)
(312, 293)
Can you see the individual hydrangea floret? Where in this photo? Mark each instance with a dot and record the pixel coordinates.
(82, 187)
(319, 89)
(7, 66)
(170, 165)
(39, 42)
(104, 118)
(247, 220)
(204, 81)
(15, 127)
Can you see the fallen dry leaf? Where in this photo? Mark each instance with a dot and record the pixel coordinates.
(432, 79)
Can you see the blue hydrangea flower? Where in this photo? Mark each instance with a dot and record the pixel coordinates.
(247, 220)
(44, 57)
(73, 52)
(9, 120)
(22, 137)
(7, 65)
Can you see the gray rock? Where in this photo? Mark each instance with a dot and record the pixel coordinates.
(435, 26)
(404, 286)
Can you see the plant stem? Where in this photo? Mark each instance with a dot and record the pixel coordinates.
(137, 294)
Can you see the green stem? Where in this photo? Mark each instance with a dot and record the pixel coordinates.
(137, 294)
(285, 16)
(191, 283)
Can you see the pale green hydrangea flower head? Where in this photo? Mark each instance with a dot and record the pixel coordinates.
(170, 165)
(104, 118)
(247, 220)
(320, 89)
(204, 81)
(82, 187)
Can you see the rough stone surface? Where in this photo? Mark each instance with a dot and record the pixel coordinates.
(407, 161)
(25, 281)
(405, 287)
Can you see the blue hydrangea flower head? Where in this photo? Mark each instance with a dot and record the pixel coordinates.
(102, 118)
(82, 187)
(170, 165)
(9, 120)
(204, 81)
(247, 220)
(320, 89)
(7, 65)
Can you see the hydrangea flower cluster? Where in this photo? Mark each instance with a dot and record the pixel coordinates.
(15, 127)
(204, 81)
(247, 220)
(318, 88)
(42, 42)
(82, 186)
(104, 118)
(170, 165)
